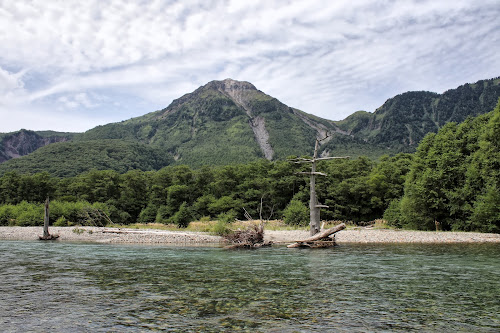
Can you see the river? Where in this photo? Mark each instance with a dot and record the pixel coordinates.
(79, 287)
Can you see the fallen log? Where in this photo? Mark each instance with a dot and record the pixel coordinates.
(321, 239)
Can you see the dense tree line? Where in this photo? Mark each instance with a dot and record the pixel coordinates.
(454, 179)
(356, 190)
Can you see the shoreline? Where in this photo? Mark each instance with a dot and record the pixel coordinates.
(155, 236)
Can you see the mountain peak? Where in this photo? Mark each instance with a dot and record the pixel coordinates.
(238, 91)
(229, 85)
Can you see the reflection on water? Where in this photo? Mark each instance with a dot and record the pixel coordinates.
(67, 287)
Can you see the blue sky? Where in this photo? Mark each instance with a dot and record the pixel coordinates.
(72, 65)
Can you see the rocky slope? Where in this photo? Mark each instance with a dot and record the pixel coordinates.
(23, 142)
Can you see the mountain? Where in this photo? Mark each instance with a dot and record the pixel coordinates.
(222, 122)
(226, 122)
(23, 142)
(402, 121)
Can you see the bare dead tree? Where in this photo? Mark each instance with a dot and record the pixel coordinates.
(314, 205)
(94, 217)
(46, 234)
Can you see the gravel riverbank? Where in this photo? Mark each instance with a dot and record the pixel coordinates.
(153, 236)
(110, 235)
(368, 235)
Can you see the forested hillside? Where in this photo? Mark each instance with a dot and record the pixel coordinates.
(402, 121)
(68, 159)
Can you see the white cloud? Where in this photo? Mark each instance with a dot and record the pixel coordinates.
(11, 87)
(77, 100)
(324, 57)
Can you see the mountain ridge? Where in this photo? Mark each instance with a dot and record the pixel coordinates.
(229, 121)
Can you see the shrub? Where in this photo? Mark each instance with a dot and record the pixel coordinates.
(6, 214)
(71, 211)
(205, 219)
(183, 216)
(148, 214)
(61, 222)
(162, 215)
(393, 214)
(221, 227)
(296, 213)
(124, 218)
(28, 214)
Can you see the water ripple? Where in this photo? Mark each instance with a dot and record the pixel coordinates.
(64, 287)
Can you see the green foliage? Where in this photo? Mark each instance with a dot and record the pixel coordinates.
(148, 214)
(162, 215)
(67, 159)
(296, 213)
(402, 121)
(227, 217)
(393, 214)
(213, 126)
(262, 188)
(61, 222)
(28, 214)
(486, 212)
(183, 216)
(23, 142)
(7, 215)
(454, 178)
(222, 226)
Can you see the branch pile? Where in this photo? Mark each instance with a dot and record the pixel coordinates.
(251, 238)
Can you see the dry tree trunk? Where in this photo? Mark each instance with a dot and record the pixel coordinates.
(321, 239)
(46, 234)
(46, 220)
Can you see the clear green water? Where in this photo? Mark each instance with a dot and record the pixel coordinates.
(64, 287)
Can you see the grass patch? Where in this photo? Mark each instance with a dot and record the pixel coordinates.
(213, 226)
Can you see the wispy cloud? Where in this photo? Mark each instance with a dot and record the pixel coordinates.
(71, 60)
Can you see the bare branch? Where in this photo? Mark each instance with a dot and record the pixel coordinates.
(311, 173)
(331, 158)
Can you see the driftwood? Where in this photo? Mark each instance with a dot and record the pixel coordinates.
(251, 238)
(320, 240)
(119, 231)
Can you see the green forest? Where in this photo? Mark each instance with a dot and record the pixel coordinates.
(453, 178)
